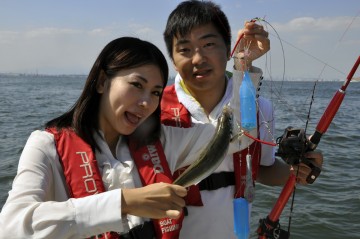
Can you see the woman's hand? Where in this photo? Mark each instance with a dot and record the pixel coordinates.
(158, 200)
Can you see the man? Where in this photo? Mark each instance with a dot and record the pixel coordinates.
(198, 40)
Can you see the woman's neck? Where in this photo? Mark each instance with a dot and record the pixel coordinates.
(111, 140)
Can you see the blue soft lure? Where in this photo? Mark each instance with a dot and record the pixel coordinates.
(247, 103)
(241, 218)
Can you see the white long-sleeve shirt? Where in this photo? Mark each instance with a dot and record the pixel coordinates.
(214, 220)
(38, 205)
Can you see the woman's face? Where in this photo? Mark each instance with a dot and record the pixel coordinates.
(128, 99)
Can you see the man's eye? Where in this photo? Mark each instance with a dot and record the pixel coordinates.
(184, 50)
(209, 44)
(157, 93)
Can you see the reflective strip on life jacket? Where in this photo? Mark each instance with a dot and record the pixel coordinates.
(153, 168)
(173, 113)
(79, 164)
(80, 168)
(83, 177)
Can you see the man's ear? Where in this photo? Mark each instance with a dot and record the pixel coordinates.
(176, 69)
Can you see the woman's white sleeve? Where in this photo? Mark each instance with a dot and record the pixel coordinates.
(38, 205)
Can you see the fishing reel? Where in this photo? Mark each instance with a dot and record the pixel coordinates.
(271, 230)
(293, 145)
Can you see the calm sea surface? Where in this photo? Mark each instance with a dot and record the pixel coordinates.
(330, 208)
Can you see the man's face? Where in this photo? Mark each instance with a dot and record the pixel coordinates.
(200, 58)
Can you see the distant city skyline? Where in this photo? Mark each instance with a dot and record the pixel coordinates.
(319, 38)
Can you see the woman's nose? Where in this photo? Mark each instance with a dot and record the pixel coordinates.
(145, 101)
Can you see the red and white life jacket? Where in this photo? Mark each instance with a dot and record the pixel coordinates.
(83, 177)
(175, 114)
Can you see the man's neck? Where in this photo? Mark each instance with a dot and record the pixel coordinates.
(210, 98)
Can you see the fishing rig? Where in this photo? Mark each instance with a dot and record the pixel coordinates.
(292, 147)
(293, 144)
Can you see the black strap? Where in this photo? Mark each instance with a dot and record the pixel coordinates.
(143, 231)
(212, 182)
(217, 180)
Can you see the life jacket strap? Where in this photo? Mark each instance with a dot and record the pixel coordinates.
(142, 231)
(217, 180)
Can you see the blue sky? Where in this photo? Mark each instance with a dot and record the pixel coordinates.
(65, 37)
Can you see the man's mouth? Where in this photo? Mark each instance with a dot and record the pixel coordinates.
(201, 74)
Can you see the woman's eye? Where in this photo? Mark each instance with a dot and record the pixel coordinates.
(136, 84)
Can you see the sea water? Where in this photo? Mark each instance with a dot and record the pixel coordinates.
(330, 208)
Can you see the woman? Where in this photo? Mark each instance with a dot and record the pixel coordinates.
(77, 178)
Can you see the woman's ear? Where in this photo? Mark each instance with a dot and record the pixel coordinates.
(100, 85)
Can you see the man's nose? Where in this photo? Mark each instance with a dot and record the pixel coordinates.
(199, 57)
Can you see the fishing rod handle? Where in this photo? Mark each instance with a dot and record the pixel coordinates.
(327, 117)
(283, 198)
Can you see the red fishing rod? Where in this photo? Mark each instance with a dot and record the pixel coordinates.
(292, 146)
(332, 109)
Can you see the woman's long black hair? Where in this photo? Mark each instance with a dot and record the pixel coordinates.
(119, 54)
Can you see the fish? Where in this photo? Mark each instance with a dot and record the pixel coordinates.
(213, 154)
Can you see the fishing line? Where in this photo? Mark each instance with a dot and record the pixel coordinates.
(310, 55)
(246, 46)
(276, 91)
(313, 97)
(279, 96)
(312, 93)
(282, 50)
(309, 112)
(325, 64)
(283, 79)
